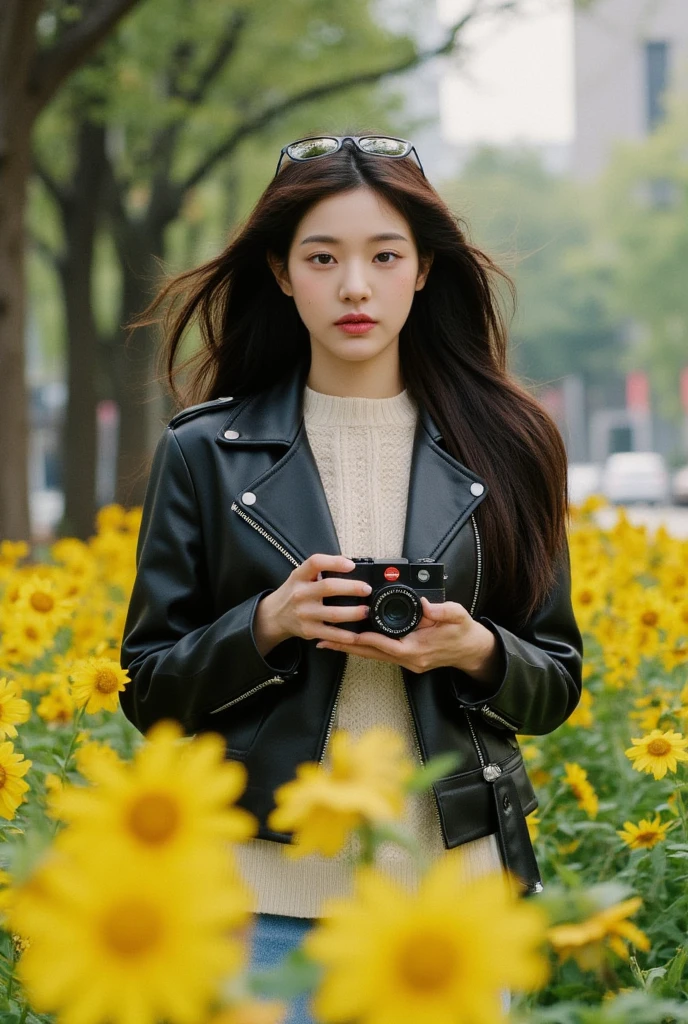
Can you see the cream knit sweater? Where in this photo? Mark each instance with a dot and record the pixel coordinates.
(362, 447)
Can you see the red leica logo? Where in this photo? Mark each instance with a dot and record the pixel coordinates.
(391, 574)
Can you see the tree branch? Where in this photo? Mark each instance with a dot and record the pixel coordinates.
(317, 92)
(50, 255)
(226, 46)
(57, 191)
(54, 64)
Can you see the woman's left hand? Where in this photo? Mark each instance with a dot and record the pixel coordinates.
(447, 635)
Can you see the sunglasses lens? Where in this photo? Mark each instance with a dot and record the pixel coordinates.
(382, 146)
(308, 148)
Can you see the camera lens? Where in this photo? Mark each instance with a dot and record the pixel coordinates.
(396, 610)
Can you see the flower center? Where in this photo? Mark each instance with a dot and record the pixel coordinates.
(106, 680)
(659, 747)
(427, 962)
(649, 618)
(3, 776)
(154, 818)
(646, 838)
(131, 928)
(585, 597)
(41, 602)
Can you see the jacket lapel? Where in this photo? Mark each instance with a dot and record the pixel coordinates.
(290, 501)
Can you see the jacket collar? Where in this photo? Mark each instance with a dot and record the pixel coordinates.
(442, 491)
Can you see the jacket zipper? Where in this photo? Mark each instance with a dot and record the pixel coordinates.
(276, 678)
(266, 682)
(330, 724)
(264, 533)
(491, 771)
(479, 565)
(485, 709)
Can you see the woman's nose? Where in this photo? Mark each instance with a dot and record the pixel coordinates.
(355, 284)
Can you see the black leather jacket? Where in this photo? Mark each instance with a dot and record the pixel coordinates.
(234, 502)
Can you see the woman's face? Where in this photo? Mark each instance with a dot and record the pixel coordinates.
(340, 263)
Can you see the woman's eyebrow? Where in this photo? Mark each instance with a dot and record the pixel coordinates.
(386, 236)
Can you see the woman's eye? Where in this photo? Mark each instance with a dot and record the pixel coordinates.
(328, 256)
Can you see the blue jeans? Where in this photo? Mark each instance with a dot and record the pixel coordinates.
(274, 936)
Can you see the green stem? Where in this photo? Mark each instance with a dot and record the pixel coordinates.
(77, 722)
(367, 843)
(682, 810)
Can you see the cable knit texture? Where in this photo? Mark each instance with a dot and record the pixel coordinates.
(363, 449)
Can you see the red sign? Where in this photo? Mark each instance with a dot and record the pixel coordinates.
(391, 573)
(637, 391)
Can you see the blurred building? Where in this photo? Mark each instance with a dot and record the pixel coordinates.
(627, 54)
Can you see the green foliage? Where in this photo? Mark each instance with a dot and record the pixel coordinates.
(643, 221)
(539, 227)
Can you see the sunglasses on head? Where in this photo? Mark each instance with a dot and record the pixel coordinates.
(314, 146)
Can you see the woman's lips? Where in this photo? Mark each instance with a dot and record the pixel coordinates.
(357, 328)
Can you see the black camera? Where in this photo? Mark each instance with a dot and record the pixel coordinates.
(395, 607)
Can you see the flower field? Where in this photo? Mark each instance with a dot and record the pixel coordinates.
(119, 902)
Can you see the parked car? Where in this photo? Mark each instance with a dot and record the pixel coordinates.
(585, 478)
(679, 486)
(635, 477)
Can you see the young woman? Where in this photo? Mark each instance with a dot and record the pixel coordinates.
(351, 399)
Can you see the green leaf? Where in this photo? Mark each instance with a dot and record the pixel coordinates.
(432, 771)
(296, 974)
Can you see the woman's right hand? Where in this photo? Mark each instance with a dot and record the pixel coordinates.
(296, 608)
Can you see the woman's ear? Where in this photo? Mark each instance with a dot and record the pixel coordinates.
(280, 271)
(425, 264)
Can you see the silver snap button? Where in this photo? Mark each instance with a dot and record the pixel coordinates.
(477, 488)
(248, 498)
(231, 434)
(229, 399)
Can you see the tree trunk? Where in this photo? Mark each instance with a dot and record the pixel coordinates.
(140, 397)
(14, 418)
(81, 212)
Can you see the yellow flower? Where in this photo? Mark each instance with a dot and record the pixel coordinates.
(118, 940)
(56, 707)
(252, 1012)
(436, 955)
(658, 752)
(577, 778)
(96, 683)
(645, 834)
(533, 823)
(173, 796)
(324, 804)
(91, 753)
(585, 940)
(54, 787)
(13, 709)
(582, 715)
(566, 848)
(12, 786)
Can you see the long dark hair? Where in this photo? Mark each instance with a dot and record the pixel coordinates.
(453, 355)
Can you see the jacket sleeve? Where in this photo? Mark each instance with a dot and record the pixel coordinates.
(181, 659)
(542, 666)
